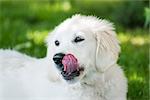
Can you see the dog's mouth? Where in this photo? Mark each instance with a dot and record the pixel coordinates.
(68, 65)
(72, 75)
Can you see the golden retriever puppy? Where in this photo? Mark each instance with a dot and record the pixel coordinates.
(81, 64)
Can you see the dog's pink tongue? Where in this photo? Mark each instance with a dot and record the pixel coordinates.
(70, 63)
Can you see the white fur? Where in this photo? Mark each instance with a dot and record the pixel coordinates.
(26, 78)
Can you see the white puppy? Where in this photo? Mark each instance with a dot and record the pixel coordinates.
(80, 65)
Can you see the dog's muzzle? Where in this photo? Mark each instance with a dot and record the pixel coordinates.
(68, 65)
(57, 58)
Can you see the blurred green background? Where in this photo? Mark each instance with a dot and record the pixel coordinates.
(24, 24)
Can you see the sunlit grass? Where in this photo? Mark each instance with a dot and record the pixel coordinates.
(134, 39)
(23, 46)
(38, 37)
(138, 40)
(123, 37)
(136, 77)
(66, 6)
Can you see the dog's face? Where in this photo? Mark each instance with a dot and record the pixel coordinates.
(80, 44)
(74, 50)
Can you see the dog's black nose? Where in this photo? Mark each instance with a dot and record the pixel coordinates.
(57, 58)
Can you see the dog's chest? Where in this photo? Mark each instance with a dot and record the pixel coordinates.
(83, 93)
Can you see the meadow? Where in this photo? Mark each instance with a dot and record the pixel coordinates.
(24, 25)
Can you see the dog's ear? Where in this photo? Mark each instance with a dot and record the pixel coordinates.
(108, 48)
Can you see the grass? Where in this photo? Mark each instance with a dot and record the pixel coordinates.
(135, 61)
(24, 26)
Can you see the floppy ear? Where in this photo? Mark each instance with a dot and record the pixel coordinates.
(108, 48)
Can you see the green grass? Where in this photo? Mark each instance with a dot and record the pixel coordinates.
(134, 60)
(24, 26)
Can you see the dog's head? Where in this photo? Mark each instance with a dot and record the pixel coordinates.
(80, 46)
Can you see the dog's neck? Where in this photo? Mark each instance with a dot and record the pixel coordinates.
(90, 88)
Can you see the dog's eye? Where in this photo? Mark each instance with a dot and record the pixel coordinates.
(57, 43)
(78, 39)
